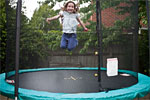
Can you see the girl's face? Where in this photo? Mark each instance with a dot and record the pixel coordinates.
(70, 7)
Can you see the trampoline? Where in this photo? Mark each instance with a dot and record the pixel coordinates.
(75, 84)
(28, 77)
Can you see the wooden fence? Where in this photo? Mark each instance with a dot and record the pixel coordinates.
(89, 59)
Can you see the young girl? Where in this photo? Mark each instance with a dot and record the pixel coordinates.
(70, 21)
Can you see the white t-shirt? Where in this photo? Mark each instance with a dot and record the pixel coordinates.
(69, 22)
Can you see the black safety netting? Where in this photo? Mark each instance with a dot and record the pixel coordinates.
(119, 28)
(11, 36)
(40, 41)
(148, 25)
(120, 32)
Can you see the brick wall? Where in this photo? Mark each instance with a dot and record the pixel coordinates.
(109, 15)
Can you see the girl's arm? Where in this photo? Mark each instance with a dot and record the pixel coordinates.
(81, 23)
(52, 18)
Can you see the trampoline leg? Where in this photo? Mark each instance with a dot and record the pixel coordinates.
(16, 98)
(102, 89)
(138, 98)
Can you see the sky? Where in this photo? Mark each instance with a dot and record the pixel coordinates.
(30, 5)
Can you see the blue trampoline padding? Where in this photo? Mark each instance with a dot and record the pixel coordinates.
(140, 89)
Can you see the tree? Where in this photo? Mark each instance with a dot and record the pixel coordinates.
(142, 12)
(143, 40)
(8, 26)
(2, 34)
(36, 39)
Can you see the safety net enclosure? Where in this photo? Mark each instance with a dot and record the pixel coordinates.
(103, 66)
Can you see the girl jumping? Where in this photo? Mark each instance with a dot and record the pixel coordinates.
(70, 18)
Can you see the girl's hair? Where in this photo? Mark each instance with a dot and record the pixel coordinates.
(76, 8)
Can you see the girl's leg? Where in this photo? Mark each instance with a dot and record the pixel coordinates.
(63, 43)
(72, 42)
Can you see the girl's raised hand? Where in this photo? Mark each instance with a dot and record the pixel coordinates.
(48, 20)
(85, 29)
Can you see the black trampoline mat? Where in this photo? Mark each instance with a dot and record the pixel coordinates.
(72, 81)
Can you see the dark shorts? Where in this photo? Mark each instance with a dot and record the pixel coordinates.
(69, 41)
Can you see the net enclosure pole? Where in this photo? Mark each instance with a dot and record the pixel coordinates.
(99, 38)
(18, 19)
(6, 61)
(135, 38)
(148, 17)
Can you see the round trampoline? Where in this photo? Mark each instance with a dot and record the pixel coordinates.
(46, 74)
(75, 84)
